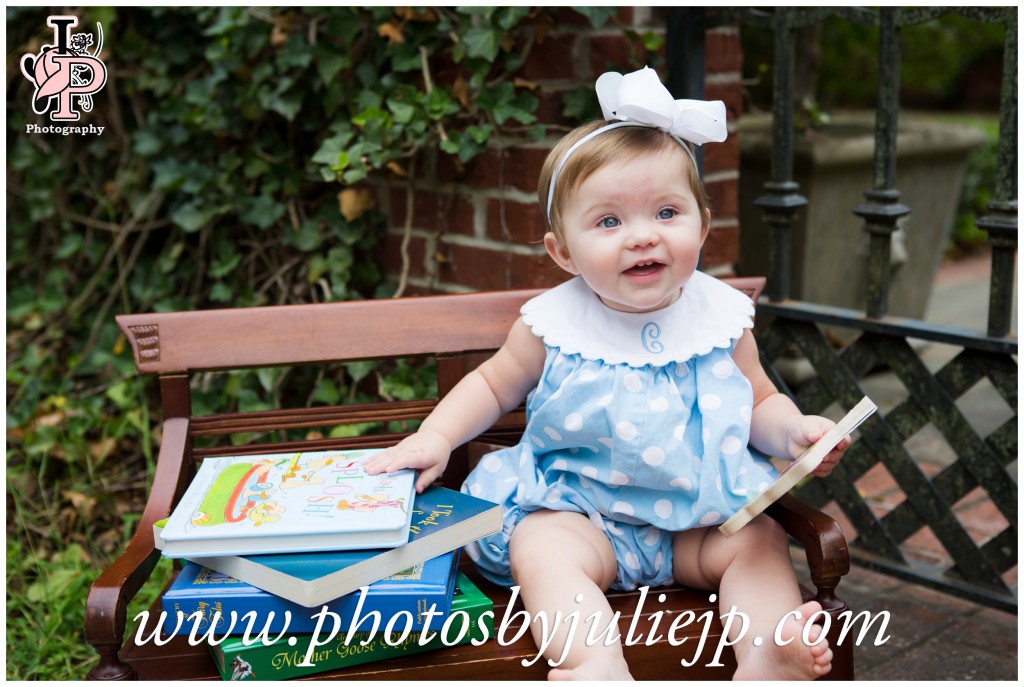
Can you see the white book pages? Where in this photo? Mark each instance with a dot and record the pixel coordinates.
(802, 466)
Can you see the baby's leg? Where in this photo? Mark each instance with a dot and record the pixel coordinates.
(753, 572)
(556, 556)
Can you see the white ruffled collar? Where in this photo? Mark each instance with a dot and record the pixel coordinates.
(710, 314)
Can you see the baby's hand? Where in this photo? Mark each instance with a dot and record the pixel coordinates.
(807, 430)
(426, 451)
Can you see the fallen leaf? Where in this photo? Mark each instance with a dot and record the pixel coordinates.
(278, 36)
(82, 503)
(354, 202)
(416, 14)
(397, 169)
(460, 91)
(51, 419)
(523, 83)
(102, 448)
(391, 31)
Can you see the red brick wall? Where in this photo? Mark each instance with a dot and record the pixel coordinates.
(481, 229)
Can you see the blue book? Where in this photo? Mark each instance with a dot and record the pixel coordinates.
(284, 658)
(442, 520)
(411, 593)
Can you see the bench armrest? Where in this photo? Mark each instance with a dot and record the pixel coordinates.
(106, 607)
(828, 556)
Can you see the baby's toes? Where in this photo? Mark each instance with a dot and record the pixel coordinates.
(815, 639)
(822, 658)
(821, 653)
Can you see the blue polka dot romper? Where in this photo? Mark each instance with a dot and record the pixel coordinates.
(640, 421)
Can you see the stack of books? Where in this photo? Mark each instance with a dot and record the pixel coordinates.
(300, 563)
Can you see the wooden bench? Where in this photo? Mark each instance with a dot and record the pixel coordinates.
(455, 330)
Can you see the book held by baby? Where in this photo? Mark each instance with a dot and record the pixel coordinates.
(801, 467)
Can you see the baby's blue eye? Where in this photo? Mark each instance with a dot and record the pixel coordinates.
(667, 213)
(608, 222)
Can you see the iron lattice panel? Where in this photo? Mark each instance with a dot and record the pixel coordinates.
(976, 565)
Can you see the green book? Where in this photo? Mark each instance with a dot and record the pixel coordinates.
(280, 660)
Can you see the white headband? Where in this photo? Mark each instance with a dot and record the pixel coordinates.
(640, 99)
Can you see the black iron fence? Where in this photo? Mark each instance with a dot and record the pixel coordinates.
(980, 567)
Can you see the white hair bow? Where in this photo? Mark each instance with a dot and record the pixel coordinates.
(641, 97)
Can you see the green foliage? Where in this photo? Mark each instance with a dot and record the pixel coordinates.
(936, 57)
(598, 16)
(978, 186)
(241, 150)
(45, 596)
(809, 115)
(46, 610)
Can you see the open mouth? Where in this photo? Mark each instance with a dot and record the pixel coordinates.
(645, 268)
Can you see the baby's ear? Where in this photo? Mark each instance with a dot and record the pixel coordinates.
(559, 253)
(705, 228)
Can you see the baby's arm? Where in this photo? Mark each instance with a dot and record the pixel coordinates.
(476, 402)
(777, 427)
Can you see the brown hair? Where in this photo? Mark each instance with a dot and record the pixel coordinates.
(623, 143)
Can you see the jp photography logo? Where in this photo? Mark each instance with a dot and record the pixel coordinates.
(66, 76)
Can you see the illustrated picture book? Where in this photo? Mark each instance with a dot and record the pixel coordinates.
(801, 467)
(442, 520)
(411, 591)
(471, 620)
(284, 502)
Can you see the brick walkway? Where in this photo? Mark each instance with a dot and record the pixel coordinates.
(931, 635)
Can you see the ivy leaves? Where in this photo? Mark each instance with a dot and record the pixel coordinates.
(438, 77)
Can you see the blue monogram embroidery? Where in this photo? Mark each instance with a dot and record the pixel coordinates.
(649, 336)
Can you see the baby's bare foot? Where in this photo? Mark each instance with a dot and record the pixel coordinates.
(594, 669)
(793, 661)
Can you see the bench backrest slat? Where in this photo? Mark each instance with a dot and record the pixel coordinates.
(171, 342)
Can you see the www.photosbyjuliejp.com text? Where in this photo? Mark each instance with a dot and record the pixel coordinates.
(397, 630)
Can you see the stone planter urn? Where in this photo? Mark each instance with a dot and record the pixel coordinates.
(829, 243)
